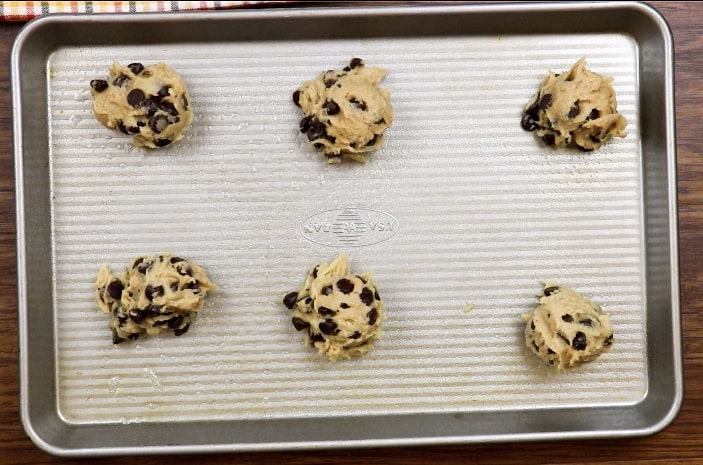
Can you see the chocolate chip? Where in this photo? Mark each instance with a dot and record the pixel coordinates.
(121, 80)
(299, 324)
(329, 82)
(587, 322)
(545, 101)
(376, 296)
(317, 130)
(314, 271)
(162, 142)
(182, 331)
(345, 286)
(366, 296)
(176, 259)
(550, 352)
(329, 327)
(373, 140)
(290, 299)
(535, 346)
(184, 270)
(327, 290)
(608, 340)
(532, 325)
(315, 337)
(324, 311)
(304, 124)
(143, 266)
(136, 68)
(580, 342)
(99, 85)
(528, 123)
(158, 123)
(308, 300)
(331, 107)
(567, 318)
(595, 113)
(356, 62)
(594, 139)
(296, 98)
(355, 335)
(122, 127)
(137, 316)
(168, 108)
(153, 291)
(150, 105)
(344, 305)
(533, 110)
(163, 92)
(152, 310)
(193, 286)
(358, 104)
(175, 323)
(548, 139)
(135, 97)
(372, 315)
(550, 290)
(574, 110)
(116, 339)
(184, 102)
(115, 288)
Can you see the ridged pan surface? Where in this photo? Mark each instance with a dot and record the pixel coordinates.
(460, 206)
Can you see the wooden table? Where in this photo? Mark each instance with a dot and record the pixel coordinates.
(681, 442)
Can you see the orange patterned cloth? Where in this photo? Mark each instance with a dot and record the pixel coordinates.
(24, 11)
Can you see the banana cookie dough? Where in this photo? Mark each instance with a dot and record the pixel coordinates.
(575, 108)
(566, 329)
(340, 312)
(156, 293)
(149, 103)
(346, 112)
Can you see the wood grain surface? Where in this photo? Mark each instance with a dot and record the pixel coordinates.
(681, 442)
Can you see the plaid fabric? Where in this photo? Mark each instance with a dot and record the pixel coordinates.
(24, 11)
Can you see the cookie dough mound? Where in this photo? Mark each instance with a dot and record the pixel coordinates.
(149, 103)
(566, 329)
(346, 112)
(340, 312)
(156, 293)
(576, 108)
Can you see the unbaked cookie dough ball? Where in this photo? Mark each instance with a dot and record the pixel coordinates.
(156, 293)
(149, 103)
(346, 112)
(566, 329)
(575, 108)
(340, 312)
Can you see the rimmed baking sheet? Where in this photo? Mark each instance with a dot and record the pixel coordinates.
(459, 216)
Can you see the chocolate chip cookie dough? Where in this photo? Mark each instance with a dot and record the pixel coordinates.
(149, 103)
(575, 108)
(156, 293)
(566, 329)
(340, 312)
(346, 112)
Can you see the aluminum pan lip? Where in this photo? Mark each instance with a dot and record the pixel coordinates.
(25, 36)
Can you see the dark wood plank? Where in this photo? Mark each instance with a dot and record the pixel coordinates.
(681, 442)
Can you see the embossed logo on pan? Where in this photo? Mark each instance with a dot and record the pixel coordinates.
(349, 227)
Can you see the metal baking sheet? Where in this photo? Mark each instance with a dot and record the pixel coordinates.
(461, 209)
